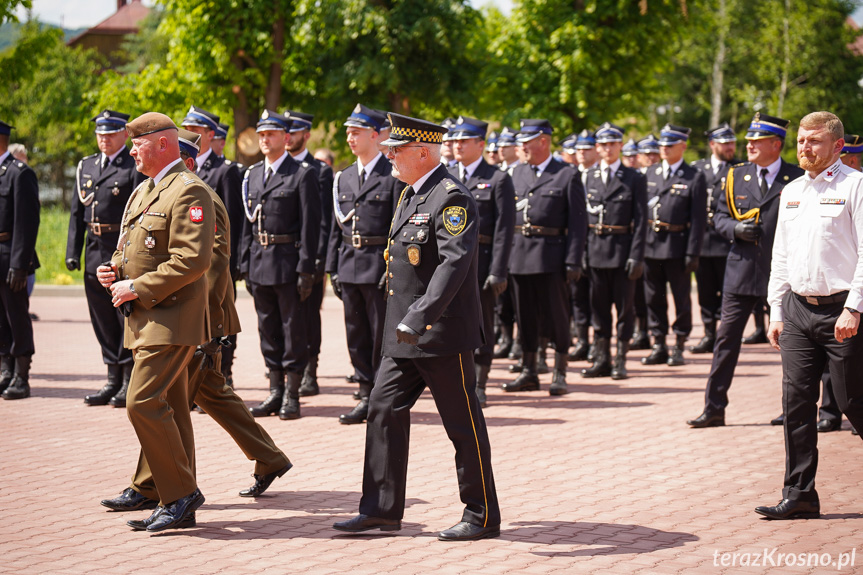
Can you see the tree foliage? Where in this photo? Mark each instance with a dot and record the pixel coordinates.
(8, 9)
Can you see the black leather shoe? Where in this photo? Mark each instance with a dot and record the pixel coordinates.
(365, 523)
(464, 531)
(524, 382)
(828, 425)
(262, 482)
(356, 395)
(791, 509)
(778, 420)
(141, 525)
(708, 419)
(175, 513)
(129, 500)
(358, 414)
(756, 337)
(854, 431)
(658, 355)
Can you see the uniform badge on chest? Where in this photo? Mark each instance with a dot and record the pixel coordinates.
(414, 254)
(116, 189)
(421, 235)
(150, 242)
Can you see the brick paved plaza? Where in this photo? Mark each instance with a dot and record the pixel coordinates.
(607, 479)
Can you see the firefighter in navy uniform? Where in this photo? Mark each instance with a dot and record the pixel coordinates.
(103, 182)
(367, 198)
(676, 196)
(494, 194)
(711, 265)
(224, 177)
(617, 222)
(277, 259)
(747, 217)
(629, 154)
(584, 150)
(433, 324)
(509, 345)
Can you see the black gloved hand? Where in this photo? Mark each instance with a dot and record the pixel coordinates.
(747, 231)
(236, 275)
(16, 279)
(382, 284)
(319, 271)
(406, 334)
(691, 264)
(573, 274)
(634, 269)
(208, 351)
(336, 284)
(305, 282)
(73, 264)
(496, 284)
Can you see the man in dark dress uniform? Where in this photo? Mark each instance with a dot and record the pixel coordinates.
(367, 198)
(433, 324)
(224, 177)
(103, 184)
(676, 196)
(547, 252)
(586, 158)
(616, 206)
(746, 216)
(629, 154)
(493, 192)
(509, 345)
(19, 225)
(277, 257)
(711, 265)
(299, 134)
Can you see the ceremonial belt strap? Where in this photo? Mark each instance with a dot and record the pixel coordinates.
(664, 227)
(5, 236)
(487, 240)
(605, 229)
(98, 228)
(729, 199)
(528, 230)
(358, 241)
(266, 239)
(823, 299)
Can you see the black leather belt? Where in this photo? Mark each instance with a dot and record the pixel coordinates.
(98, 228)
(5, 236)
(483, 239)
(823, 299)
(266, 239)
(529, 230)
(607, 230)
(363, 241)
(664, 227)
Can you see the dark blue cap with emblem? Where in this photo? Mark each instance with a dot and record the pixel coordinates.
(569, 144)
(222, 132)
(299, 120)
(506, 138)
(385, 125)
(365, 117)
(273, 122)
(764, 126)
(853, 144)
(189, 142)
(449, 124)
(491, 142)
(671, 135)
(608, 133)
(406, 130)
(201, 118)
(110, 122)
(5, 129)
(630, 148)
(586, 140)
(721, 134)
(648, 145)
(467, 128)
(532, 129)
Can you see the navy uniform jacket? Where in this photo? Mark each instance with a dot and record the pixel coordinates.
(554, 200)
(325, 187)
(682, 201)
(432, 264)
(624, 199)
(225, 178)
(715, 246)
(374, 205)
(494, 194)
(19, 216)
(110, 189)
(290, 204)
(747, 269)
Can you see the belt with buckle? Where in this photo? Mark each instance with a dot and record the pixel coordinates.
(823, 299)
(605, 229)
(5, 236)
(359, 241)
(528, 230)
(98, 228)
(266, 239)
(664, 227)
(484, 239)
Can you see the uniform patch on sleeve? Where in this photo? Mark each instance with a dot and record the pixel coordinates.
(449, 185)
(454, 219)
(196, 214)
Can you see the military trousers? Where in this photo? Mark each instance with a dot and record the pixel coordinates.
(487, 301)
(580, 297)
(313, 319)
(365, 310)
(710, 277)
(612, 287)
(671, 273)
(542, 309)
(108, 322)
(282, 326)
(16, 327)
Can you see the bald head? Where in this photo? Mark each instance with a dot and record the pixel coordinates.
(155, 142)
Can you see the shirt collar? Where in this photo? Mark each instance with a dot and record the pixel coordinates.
(673, 168)
(614, 167)
(164, 171)
(540, 168)
(275, 165)
(470, 169)
(301, 157)
(3, 157)
(715, 163)
(772, 170)
(417, 185)
(202, 158)
(830, 173)
(115, 154)
(583, 169)
(370, 166)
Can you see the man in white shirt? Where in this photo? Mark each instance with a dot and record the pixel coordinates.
(815, 295)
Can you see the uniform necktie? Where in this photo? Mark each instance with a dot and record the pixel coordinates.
(763, 182)
(535, 172)
(267, 175)
(104, 163)
(667, 172)
(362, 177)
(605, 171)
(464, 175)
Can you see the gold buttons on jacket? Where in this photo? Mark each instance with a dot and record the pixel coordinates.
(428, 327)
(391, 292)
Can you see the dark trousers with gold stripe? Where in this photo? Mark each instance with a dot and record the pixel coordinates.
(452, 382)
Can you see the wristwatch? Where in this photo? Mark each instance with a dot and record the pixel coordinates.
(852, 310)
(132, 288)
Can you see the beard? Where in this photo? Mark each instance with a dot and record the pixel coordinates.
(814, 164)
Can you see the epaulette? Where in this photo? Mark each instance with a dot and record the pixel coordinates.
(92, 156)
(228, 162)
(188, 181)
(305, 164)
(255, 165)
(740, 164)
(449, 184)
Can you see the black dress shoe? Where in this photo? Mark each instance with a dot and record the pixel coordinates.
(828, 425)
(708, 419)
(791, 509)
(658, 355)
(756, 337)
(854, 431)
(262, 482)
(188, 521)
(175, 513)
(129, 500)
(358, 414)
(465, 531)
(365, 523)
(778, 420)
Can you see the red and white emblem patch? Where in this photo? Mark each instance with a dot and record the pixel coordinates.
(196, 214)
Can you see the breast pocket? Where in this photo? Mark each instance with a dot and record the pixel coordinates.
(152, 237)
(830, 217)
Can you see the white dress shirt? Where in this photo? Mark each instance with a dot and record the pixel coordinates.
(469, 170)
(668, 171)
(202, 158)
(274, 167)
(608, 170)
(368, 167)
(164, 171)
(540, 168)
(817, 249)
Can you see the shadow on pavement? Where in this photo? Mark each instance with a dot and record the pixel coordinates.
(316, 502)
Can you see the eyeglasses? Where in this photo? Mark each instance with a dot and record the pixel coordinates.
(394, 150)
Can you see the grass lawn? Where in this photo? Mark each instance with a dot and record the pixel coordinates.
(51, 248)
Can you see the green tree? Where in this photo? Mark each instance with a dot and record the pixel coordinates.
(7, 9)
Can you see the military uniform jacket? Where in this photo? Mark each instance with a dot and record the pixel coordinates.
(325, 187)
(681, 199)
(555, 200)
(494, 194)
(225, 178)
(223, 313)
(433, 270)
(290, 203)
(622, 201)
(166, 247)
(715, 246)
(19, 216)
(747, 269)
(374, 205)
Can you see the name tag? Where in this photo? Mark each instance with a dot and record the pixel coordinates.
(679, 186)
(791, 205)
(483, 186)
(833, 201)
